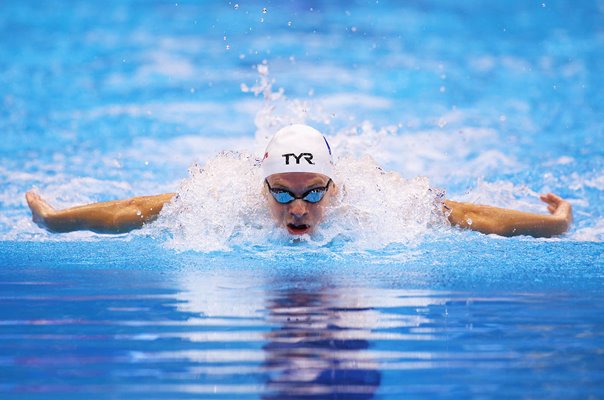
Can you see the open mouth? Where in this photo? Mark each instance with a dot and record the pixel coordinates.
(298, 229)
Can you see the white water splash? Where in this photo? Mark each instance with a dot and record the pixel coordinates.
(221, 207)
(217, 207)
(378, 208)
(593, 233)
(504, 194)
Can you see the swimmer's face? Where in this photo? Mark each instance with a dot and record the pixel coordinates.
(299, 217)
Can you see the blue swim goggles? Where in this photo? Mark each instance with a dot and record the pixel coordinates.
(283, 196)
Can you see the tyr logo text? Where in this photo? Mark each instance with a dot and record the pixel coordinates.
(306, 156)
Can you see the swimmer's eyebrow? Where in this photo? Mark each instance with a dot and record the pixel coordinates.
(315, 184)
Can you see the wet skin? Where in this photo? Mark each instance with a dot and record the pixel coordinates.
(299, 217)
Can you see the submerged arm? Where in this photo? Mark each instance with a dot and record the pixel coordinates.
(107, 217)
(505, 222)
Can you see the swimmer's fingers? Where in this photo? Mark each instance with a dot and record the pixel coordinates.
(34, 201)
(556, 205)
(31, 196)
(551, 200)
(40, 209)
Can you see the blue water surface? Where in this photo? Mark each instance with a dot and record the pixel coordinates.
(492, 101)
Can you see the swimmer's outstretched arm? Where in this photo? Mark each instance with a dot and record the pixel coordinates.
(505, 222)
(107, 217)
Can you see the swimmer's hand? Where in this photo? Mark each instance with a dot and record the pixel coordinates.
(505, 222)
(107, 217)
(559, 208)
(41, 211)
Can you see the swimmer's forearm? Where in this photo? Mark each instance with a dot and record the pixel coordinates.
(108, 217)
(505, 222)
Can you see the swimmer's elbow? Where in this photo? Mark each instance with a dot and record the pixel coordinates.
(479, 218)
(465, 215)
(124, 220)
(487, 226)
(128, 215)
(500, 229)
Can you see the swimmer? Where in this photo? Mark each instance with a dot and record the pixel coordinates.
(298, 186)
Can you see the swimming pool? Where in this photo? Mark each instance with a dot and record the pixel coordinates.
(492, 103)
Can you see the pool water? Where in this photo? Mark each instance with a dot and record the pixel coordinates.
(491, 103)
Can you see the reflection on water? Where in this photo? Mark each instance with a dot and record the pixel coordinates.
(313, 352)
(309, 333)
(278, 332)
(315, 340)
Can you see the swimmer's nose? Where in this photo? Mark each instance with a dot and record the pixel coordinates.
(298, 208)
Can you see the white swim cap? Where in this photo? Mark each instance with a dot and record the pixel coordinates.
(297, 148)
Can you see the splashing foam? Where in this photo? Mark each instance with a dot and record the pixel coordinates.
(221, 207)
(593, 233)
(277, 111)
(217, 207)
(377, 208)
